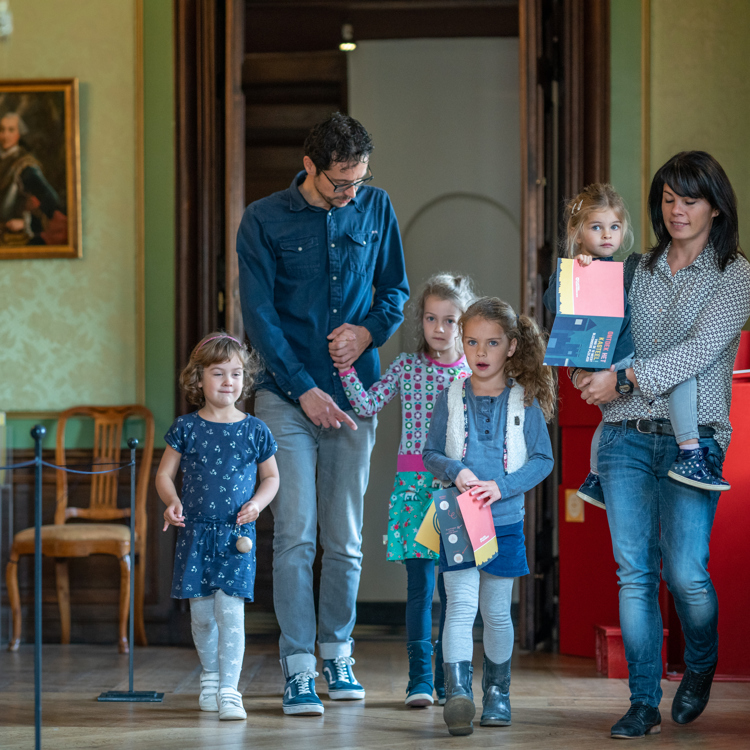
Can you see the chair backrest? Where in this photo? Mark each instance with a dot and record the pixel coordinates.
(108, 425)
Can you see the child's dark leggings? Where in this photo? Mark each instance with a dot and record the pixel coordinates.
(420, 576)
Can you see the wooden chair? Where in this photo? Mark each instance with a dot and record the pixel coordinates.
(63, 540)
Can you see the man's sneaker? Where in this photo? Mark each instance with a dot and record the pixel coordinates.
(230, 705)
(639, 721)
(691, 468)
(209, 690)
(300, 698)
(591, 490)
(342, 684)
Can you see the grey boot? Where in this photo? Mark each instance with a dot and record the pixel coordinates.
(459, 708)
(496, 698)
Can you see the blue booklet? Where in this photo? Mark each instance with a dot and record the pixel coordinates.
(590, 310)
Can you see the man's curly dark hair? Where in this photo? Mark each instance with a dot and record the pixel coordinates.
(340, 139)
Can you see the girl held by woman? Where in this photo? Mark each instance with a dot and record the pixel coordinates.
(489, 436)
(220, 450)
(419, 377)
(597, 226)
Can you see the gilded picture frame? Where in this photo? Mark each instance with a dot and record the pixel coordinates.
(40, 170)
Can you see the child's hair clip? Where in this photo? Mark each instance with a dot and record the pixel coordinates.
(576, 208)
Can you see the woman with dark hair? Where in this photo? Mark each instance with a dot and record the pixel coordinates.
(690, 297)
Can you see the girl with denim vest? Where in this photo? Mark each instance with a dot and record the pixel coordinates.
(489, 436)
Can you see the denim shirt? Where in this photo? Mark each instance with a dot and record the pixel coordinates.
(484, 451)
(624, 347)
(305, 270)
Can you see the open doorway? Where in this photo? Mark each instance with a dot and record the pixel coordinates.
(253, 76)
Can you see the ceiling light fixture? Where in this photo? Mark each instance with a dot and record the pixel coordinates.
(347, 38)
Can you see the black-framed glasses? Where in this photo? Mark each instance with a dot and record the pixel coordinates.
(346, 186)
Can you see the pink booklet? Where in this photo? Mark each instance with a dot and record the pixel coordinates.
(480, 526)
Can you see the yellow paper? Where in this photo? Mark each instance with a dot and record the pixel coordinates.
(429, 532)
(486, 552)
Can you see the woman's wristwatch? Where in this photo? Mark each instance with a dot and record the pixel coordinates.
(624, 386)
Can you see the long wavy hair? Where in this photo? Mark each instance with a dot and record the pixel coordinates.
(526, 365)
(445, 286)
(596, 197)
(696, 174)
(216, 348)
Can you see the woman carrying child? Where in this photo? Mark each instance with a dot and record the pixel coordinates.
(220, 450)
(419, 377)
(597, 226)
(489, 435)
(689, 298)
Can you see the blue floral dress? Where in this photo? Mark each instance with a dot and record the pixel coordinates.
(219, 462)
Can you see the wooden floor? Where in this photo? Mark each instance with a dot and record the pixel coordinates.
(558, 702)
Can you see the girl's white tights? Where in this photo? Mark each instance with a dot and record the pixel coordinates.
(464, 589)
(218, 626)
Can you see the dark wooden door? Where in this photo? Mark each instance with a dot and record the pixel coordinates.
(564, 67)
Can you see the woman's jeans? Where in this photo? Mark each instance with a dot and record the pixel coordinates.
(324, 475)
(655, 521)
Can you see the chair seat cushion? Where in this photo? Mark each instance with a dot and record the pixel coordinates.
(77, 532)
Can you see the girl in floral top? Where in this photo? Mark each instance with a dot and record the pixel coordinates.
(419, 377)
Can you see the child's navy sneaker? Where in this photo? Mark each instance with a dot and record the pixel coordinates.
(300, 698)
(342, 684)
(691, 468)
(591, 490)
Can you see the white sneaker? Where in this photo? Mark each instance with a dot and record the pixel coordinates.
(209, 689)
(230, 705)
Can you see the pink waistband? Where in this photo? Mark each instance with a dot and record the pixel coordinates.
(410, 462)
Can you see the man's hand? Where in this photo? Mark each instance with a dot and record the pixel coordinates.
(249, 512)
(322, 411)
(347, 342)
(598, 387)
(487, 491)
(465, 480)
(173, 515)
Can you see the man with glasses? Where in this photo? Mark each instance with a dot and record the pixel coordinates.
(322, 285)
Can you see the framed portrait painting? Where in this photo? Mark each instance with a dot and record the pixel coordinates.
(40, 188)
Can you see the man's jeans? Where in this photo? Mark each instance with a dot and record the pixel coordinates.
(642, 502)
(333, 501)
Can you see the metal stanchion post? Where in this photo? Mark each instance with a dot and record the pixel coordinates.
(38, 432)
(132, 696)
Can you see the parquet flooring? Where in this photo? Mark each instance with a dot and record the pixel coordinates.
(558, 702)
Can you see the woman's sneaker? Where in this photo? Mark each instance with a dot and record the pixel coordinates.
(591, 490)
(342, 684)
(691, 468)
(300, 698)
(230, 705)
(209, 690)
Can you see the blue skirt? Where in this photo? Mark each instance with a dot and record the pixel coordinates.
(511, 554)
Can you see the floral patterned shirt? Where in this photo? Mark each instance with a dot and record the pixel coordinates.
(419, 379)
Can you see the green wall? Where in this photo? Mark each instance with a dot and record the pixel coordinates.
(625, 109)
(69, 327)
(699, 94)
(700, 87)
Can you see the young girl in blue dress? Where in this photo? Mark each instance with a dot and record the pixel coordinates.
(489, 435)
(219, 450)
(419, 377)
